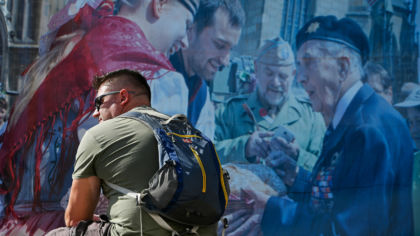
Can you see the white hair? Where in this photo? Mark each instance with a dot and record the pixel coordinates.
(333, 49)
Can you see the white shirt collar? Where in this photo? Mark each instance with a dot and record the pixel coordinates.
(344, 103)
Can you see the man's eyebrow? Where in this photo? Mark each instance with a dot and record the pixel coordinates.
(266, 67)
(222, 41)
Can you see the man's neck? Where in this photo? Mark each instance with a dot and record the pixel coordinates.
(186, 60)
(342, 104)
(147, 27)
(272, 111)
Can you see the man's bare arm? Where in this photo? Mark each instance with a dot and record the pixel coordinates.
(84, 196)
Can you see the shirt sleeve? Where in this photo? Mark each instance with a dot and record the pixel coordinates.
(169, 93)
(85, 157)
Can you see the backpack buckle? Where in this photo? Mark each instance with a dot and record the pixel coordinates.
(138, 199)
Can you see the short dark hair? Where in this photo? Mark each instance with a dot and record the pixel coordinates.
(136, 79)
(208, 8)
(372, 68)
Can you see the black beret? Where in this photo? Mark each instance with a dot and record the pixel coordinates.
(345, 31)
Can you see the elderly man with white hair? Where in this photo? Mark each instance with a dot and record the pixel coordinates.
(361, 183)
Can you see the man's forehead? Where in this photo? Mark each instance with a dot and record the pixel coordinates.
(276, 67)
(223, 29)
(312, 49)
(309, 49)
(105, 87)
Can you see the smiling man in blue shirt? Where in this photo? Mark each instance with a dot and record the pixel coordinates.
(216, 30)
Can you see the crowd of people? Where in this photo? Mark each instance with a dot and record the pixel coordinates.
(345, 156)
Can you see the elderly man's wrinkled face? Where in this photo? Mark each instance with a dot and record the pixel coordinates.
(273, 82)
(210, 49)
(319, 75)
(413, 116)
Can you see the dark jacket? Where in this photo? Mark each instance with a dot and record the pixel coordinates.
(367, 164)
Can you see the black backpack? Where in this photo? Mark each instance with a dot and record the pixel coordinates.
(190, 186)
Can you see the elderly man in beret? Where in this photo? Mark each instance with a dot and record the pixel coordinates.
(361, 183)
(245, 127)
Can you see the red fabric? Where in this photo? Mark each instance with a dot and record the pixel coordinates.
(111, 43)
(37, 223)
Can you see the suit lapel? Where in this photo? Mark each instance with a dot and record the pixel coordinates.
(331, 141)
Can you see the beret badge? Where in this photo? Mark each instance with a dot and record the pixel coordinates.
(312, 28)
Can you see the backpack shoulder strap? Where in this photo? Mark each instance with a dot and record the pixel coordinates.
(125, 191)
(147, 118)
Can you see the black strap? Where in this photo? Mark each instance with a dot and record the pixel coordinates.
(81, 228)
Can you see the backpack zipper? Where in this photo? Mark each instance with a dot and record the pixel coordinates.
(203, 172)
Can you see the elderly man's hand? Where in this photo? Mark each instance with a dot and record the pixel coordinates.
(279, 143)
(258, 145)
(285, 166)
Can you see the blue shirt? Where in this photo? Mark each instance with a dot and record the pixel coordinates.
(197, 89)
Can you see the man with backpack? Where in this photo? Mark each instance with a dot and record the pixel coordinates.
(121, 151)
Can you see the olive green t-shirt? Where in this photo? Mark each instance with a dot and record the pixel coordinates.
(124, 152)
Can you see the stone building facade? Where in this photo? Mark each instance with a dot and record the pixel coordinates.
(22, 22)
(389, 24)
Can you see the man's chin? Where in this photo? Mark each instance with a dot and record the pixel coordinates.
(208, 77)
(316, 107)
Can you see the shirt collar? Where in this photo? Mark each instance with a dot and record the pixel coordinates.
(344, 103)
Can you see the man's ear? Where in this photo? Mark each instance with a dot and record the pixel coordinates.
(124, 97)
(344, 66)
(157, 6)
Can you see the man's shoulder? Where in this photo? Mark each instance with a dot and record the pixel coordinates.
(376, 106)
(374, 113)
(299, 100)
(238, 99)
(303, 106)
(113, 126)
(234, 103)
